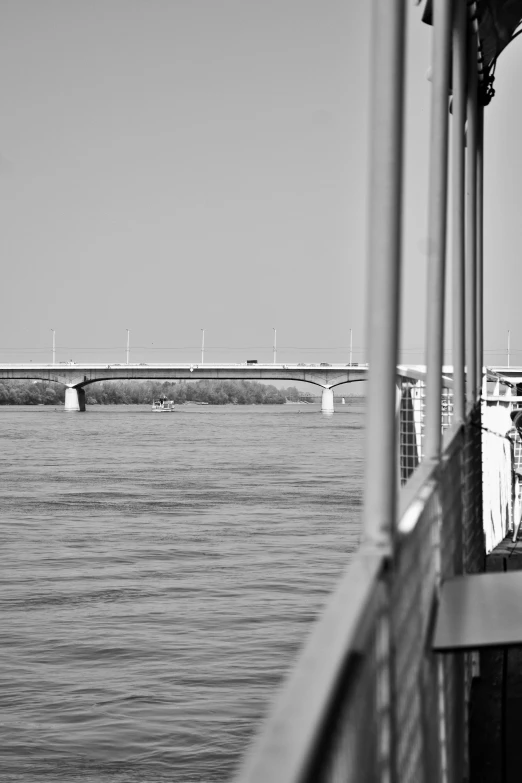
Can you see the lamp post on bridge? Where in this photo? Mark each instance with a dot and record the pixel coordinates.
(202, 346)
(54, 345)
(275, 345)
(128, 344)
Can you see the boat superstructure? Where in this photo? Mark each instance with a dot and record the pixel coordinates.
(162, 404)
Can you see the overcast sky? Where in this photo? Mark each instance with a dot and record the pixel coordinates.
(173, 165)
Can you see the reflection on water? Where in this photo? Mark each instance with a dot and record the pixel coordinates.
(158, 574)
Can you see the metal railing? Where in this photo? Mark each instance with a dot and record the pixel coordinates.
(411, 389)
(368, 700)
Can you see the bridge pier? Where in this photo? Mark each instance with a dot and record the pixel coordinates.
(327, 401)
(74, 399)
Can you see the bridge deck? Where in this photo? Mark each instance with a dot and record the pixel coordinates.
(78, 375)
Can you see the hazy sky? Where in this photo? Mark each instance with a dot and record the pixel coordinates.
(169, 165)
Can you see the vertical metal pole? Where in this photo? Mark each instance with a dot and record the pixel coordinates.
(480, 244)
(437, 222)
(54, 345)
(350, 347)
(503, 706)
(458, 206)
(471, 224)
(202, 346)
(508, 347)
(128, 344)
(384, 262)
(275, 346)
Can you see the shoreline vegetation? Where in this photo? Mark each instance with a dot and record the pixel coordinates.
(143, 392)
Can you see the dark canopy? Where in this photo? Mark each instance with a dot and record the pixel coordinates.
(497, 23)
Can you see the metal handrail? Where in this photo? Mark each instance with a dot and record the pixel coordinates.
(285, 750)
(414, 374)
(291, 746)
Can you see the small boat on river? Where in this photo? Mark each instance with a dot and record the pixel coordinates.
(163, 404)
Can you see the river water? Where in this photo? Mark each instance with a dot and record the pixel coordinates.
(159, 573)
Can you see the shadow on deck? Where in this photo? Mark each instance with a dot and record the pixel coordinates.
(486, 697)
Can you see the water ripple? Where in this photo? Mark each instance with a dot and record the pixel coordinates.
(159, 575)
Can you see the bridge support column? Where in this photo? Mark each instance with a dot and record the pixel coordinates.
(327, 401)
(74, 399)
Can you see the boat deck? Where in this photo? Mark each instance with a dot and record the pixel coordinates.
(485, 714)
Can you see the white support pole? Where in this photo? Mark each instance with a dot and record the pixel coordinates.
(74, 399)
(54, 346)
(350, 347)
(275, 346)
(327, 401)
(72, 402)
(202, 346)
(437, 223)
(459, 209)
(128, 344)
(508, 347)
(384, 263)
(471, 224)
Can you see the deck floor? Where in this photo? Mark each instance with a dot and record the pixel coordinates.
(485, 713)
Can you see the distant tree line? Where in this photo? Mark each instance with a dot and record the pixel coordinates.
(30, 393)
(143, 392)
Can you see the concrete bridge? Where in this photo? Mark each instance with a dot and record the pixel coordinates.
(76, 376)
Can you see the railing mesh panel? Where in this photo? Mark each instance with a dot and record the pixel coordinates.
(412, 410)
(473, 532)
(430, 700)
(416, 722)
(450, 548)
(411, 426)
(452, 509)
(427, 695)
